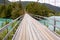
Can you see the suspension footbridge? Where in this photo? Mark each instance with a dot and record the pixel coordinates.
(31, 29)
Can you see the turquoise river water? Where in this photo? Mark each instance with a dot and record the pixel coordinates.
(44, 22)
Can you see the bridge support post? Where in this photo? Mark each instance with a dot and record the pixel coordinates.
(54, 24)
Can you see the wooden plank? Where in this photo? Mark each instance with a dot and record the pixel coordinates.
(31, 29)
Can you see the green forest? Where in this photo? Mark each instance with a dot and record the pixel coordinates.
(39, 9)
(12, 10)
(15, 9)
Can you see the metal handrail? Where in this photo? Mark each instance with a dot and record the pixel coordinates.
(54, 24)
(19, 19)
(44, 17)
(5, 38)
(6, 26)
(51, 23)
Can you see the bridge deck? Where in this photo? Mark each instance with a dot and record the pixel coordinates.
(31, 29)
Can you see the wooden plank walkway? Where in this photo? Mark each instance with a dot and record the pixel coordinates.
(31, 29)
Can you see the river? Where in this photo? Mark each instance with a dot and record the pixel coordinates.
(49, 20)
(3, 22)
(44, 22)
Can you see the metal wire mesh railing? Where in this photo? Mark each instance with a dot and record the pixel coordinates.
(51, 23)
(7, 32)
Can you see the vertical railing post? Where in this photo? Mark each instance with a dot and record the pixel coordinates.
(54, 24)
(37, 1)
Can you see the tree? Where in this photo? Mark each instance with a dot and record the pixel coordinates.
(38, 9)
(3, 14)
(10, 10)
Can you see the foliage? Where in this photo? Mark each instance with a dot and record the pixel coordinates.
(39, 9)
(12, 10)
(57, 14)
